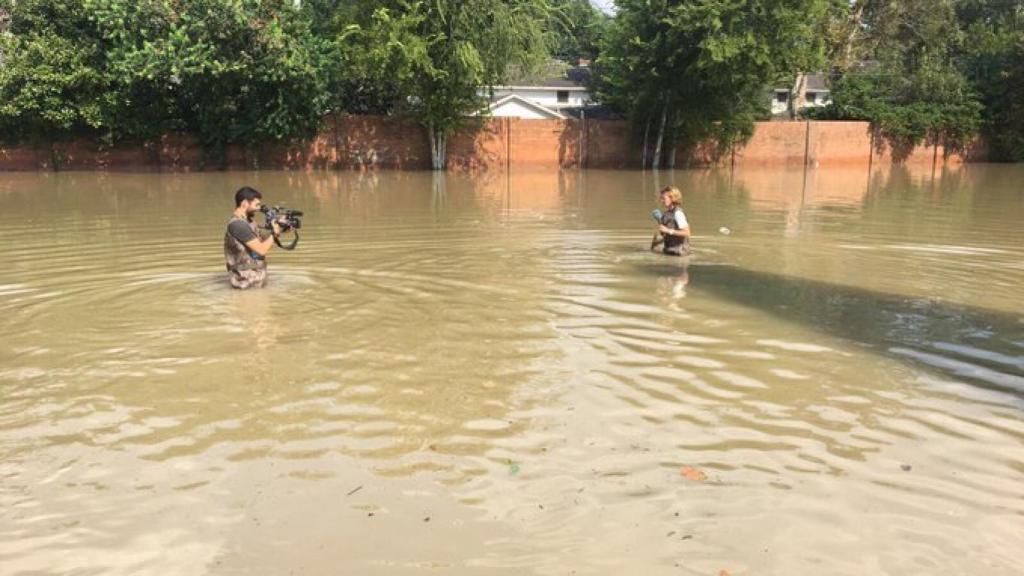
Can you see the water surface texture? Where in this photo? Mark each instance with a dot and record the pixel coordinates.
(490, 374)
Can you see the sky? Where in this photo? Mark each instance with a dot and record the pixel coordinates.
(605, 5)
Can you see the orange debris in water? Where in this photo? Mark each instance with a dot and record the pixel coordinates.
(691, 473)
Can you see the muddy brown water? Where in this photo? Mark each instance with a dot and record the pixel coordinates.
(480, 375)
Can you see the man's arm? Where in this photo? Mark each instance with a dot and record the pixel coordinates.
(254, 243)
(260, 247)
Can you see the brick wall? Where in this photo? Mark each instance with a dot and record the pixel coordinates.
(370, 142)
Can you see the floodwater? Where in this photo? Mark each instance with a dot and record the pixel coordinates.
(484, 375)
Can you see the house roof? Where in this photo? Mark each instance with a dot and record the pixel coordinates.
(544, 86)
(542, 110)
(593, 112)
(817, 82)
(576, 79)
(558, 83)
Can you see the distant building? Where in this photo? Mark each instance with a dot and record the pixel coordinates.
(547, 98)
(815, 93)
(513, 105)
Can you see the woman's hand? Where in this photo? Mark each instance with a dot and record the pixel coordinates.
(665, 230)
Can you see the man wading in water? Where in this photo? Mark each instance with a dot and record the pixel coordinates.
(672, 224)
(245, 248)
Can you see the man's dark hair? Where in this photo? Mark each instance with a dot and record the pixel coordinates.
(246, 193)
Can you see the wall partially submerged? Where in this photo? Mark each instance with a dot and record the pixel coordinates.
(370, 142)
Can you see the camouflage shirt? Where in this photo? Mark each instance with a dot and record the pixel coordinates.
(246, 269)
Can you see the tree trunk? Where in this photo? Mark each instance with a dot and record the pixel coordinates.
(643, 154)
(856, 16)
(797, 95)
(443, 160)
(433, 147)
(673, 141)
(438, 148)
(656, 159)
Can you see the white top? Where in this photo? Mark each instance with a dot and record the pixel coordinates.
(681, 222)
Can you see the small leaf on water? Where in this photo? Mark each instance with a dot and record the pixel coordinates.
(691, 473)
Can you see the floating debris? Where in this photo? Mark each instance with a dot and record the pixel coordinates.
(691, 473)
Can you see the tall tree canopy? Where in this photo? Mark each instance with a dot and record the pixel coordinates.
(994, 63)
(901, 67)
(685, 71)
(577, 30)
(694, 70)
(440, 57)
(227, 71)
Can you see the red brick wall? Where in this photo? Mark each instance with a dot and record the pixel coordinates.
(610, 144)
(483, 145)
(368, 142)
(373, 141)
(21, 157)
(774, 143)
(545, 143)
(838, 143)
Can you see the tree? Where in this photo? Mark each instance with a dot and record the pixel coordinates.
(912, 87)
(698, 70)
(227, 71)
(578, 30)
(443, 56)
(53, 77)
(994, 63)
(241, 71)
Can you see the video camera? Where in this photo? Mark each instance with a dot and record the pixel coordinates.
(287, 219)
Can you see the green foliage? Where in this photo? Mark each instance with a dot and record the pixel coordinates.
(914, 90)
(246, 71)
(52, 77)
(994, 63)
(577, 30)
(705, 66)
(227, 71)
(437, 58)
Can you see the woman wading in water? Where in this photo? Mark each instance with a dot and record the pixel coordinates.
(673, 228)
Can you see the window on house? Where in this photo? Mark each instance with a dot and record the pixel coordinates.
(563, 96)
(812, 97)
(781, 97)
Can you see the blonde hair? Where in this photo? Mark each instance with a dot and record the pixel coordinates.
(674, 194)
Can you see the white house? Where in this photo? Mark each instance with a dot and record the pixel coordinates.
(516, 106)
(549, 98)
(816, 93)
